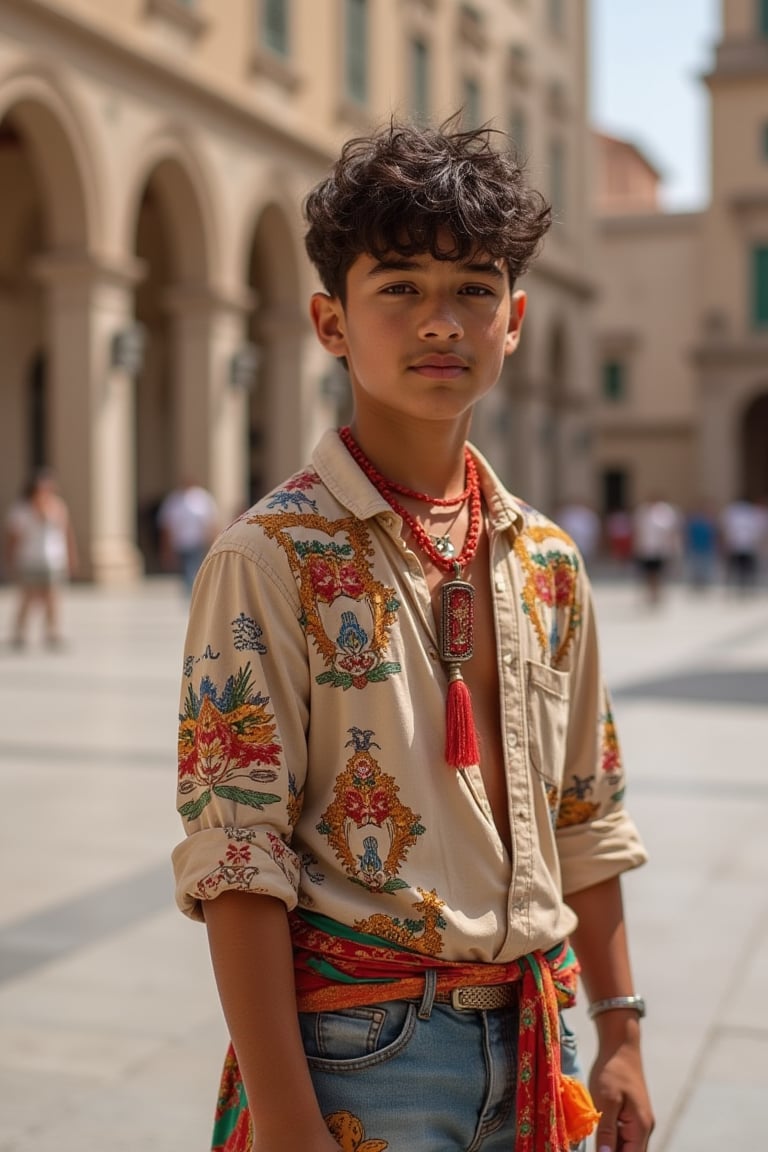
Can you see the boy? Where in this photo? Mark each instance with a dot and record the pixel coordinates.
(395, 749)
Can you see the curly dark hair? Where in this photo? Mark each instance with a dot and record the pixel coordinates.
(404, 188)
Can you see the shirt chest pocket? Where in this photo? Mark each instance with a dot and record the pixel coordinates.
(547, 707)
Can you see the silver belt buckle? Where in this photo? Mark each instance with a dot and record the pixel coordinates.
(457, 1001)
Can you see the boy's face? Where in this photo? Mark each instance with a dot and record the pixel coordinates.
(423, 338)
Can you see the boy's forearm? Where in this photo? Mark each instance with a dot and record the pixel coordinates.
(253, 963)
(600, 940)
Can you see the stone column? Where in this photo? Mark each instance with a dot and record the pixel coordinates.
(91, 410)
(210, 410)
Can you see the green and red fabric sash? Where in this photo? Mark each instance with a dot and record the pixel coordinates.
(337, 967)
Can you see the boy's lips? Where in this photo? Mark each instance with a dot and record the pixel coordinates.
(440, 367)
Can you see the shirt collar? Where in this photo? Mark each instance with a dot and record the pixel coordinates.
(345, 480)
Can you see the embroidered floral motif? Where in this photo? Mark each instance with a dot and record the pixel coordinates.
(222, 735)
(549, 592)
(611, 755)
(247, 635)
(575, 808)
(349, 1133)
(420, 935)
(366, 824)
(292, 493)
(352, 638)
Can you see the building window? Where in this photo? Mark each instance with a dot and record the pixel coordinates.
(420, 80)
(517, 131)
(274, 26)
(356, 51)
(557, 16)
(615, 485)
(762, 16)
(614, 381)
(557, 179)
(471, 103)
(760, 286)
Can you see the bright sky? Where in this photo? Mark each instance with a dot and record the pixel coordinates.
(647, 56)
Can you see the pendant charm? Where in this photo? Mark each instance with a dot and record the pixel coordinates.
(444, 545)
(457, 621)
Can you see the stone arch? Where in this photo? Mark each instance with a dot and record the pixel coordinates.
(172, 233)
(50, 213)
(754, 448)
(37, 106)
(276, 326)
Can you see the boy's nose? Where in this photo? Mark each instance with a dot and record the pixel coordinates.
(441, 322)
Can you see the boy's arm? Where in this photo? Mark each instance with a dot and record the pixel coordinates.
(253, 963)
(617, 1081)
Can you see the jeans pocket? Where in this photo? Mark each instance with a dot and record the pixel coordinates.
(355, 1038)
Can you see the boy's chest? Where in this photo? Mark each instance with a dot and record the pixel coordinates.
(481, 674)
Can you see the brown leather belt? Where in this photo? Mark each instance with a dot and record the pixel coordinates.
(480, 997)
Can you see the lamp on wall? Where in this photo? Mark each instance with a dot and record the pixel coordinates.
(129, 346)
(243, 367)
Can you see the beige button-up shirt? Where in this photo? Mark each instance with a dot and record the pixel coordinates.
(311, 738)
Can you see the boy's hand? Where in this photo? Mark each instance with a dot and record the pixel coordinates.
(618, 1088)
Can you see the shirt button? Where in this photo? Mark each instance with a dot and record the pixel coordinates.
(512, 739)
(522, 815)
(499, 584)
(509, 659)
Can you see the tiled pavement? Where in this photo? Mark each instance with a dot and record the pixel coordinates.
(110, 1033)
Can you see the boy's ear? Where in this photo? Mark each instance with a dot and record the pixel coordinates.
(517, 308)
(327, 316)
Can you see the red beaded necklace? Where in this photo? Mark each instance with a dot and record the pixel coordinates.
(457, 596)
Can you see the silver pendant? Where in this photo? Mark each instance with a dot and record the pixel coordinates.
(444, 546)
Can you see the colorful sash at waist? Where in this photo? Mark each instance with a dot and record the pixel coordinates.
(338, 968)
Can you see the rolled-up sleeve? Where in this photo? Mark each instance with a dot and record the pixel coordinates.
(243, 720)
(596, 836)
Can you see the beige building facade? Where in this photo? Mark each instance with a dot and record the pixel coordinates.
(154, 155)
(682, 318)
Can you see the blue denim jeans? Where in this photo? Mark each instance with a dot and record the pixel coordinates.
(419, 1077)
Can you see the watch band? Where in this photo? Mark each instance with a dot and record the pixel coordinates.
(635, 1003)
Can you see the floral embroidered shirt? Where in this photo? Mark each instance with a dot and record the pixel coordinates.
(311, 736)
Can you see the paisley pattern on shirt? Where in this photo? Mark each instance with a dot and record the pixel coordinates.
(549, 596)
(347, 612)
(367, 825)
(224, 733)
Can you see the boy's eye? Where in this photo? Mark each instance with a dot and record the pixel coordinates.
(397, 289)
(477, 290)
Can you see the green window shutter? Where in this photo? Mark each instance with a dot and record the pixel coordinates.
(760, 286)
(275, 26)
(420, 80)
(356, 50)
(614, 381)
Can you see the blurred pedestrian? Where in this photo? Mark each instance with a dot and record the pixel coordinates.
(745, 528)
(40, 554)
(188, 520)
(582, 524)
(657, 543)
(618, 528)
(701, 545)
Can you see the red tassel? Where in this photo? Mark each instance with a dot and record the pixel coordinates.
(461, 746)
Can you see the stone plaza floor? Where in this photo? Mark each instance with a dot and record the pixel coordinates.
(110, 1031)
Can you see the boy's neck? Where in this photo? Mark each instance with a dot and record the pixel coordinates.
(428, 457)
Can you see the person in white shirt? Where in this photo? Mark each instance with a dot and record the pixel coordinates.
(40, 553)
(657, 542)
(188, 520)
(744, 528)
